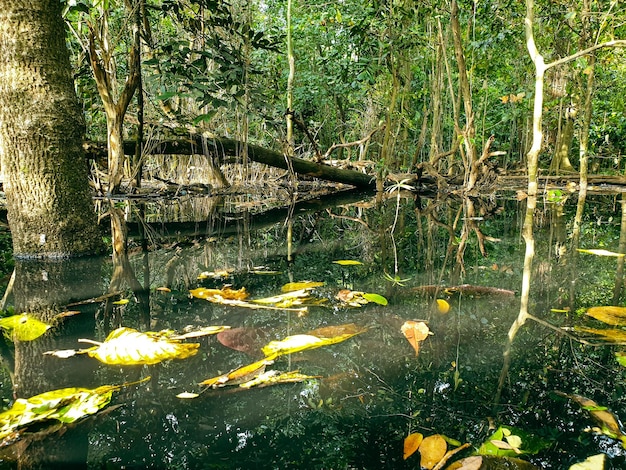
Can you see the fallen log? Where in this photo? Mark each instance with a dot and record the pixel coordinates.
(222, 147)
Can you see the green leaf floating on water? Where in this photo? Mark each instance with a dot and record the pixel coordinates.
(376, 298)
(509, 442)
(23, 327)
(65, 405)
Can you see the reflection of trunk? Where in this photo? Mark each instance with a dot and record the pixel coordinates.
(122, 269)
(39, 289)
(49, 202)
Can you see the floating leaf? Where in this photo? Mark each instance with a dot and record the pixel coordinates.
(216, 295)
(609, 334)
(516, 442)
(121, 302)
(358, 299)
(600, 252)
(187, 395)
(163, 289)
(376, 298)
(126, 346)
(347, 262)
(221, 274)
(296, 286)
(411, 444)
(23, 327)
(443, 306)
(607, 420)
(241, 374)
(64, 405)
(469, 463)
(432, 449)
(415, 332)
(297, 343)
(204, 331)
(273, 377)
(478, 462)
(610, 315)
(621, 358)
(595, 462)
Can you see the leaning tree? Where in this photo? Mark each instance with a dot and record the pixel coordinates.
(46, 182)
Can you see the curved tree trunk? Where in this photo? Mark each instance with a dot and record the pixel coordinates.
(49, 201)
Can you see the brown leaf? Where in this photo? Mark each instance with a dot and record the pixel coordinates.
(468, 463)
(246, 340)
(337, 330)
(411, 444)
(432, 449)
(415, 332)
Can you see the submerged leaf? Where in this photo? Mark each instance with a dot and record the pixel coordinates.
(247, 340)
(23, 327)
(610, 315)
(411, 444)
(126, 346)
(415, 332)
(216, 295)
(204, 331)
(432, 449)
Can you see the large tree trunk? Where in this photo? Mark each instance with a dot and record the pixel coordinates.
(49, 201)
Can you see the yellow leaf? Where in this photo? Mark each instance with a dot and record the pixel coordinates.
(187, 395)
(432, 449)
(23, 327)
(163, 289)
(606, 419)
(411, 444)
(443, 306)
(415, 332)
(295, 286)
(219, 294)
(241, 374)
(612, 335)
(121, 302)
(297, 343)
(600, 252)
(286, 297)
(126, 346)
(610, 315)
(205, 331)
(595, 462)
(347, 262)
(273, 377)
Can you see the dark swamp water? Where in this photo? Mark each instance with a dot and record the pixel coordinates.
(371, 390)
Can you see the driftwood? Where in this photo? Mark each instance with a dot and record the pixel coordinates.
(465, 289)
(222, 147)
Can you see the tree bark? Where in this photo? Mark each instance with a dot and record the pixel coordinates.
(49, 201)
